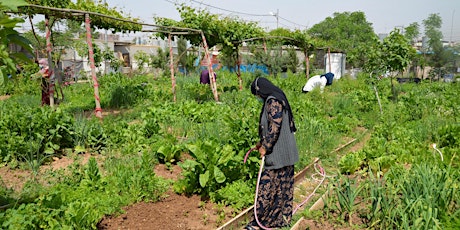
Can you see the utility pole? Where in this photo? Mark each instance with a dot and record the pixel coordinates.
(277, 17)
(451, 28)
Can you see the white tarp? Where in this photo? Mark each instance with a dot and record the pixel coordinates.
(336, 65)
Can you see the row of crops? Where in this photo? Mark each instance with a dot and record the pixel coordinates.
(396, 181)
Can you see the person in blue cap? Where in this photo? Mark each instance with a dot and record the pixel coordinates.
(320, 81)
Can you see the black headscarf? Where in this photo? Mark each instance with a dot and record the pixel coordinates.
(264, 88)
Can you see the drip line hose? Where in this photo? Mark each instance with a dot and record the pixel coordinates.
(440, 153)
(319, 171)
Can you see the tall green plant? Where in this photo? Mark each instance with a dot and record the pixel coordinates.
(142, 59)
(347, 192)
(205, 173)
(8, 35)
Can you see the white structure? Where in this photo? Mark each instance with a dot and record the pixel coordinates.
(335, 65)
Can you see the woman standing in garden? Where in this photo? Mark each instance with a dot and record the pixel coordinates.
(44, 73)
(278, 145)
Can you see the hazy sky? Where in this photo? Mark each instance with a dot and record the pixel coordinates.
(384, 15)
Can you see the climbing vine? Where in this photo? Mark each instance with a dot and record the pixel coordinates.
(102, 16)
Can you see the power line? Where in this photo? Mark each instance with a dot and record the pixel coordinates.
(250, 14)
(293, 22)
(231, 11)
(243, 13)
(170, 1)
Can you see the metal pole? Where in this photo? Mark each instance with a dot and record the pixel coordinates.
(277, 17)
(451, 28)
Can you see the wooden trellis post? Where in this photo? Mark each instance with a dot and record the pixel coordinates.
(211, 71)
(50, 61)
(265, 46)
(93, 67)
(238, 66)
(307, 65)
(171, 67)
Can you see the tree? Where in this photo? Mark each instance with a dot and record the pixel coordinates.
(397, 52)
(185, 59)
(69, 36)
(292, 62)
(412, 32)
(345, 32)
(142, 58)
(391, 56)
(272, 59)
(306, 44)
(439, 56)
(432, 31)
(161, 60)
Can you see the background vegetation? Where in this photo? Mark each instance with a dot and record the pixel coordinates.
(405, 177)
(151, 129)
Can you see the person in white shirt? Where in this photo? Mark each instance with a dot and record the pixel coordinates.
(320, 81)
(314, 82)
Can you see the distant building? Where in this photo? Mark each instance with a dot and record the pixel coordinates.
(123, 47)
(382, 36)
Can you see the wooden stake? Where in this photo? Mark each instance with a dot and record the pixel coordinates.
(211, 71)
(171, 67)
(50, 61)
(93, 67)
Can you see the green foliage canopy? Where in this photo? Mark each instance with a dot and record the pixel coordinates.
(393, 54)
(397, 52)
(225, 31)
(439, 56)
(345, 32)
(102, 17)
(298, 38)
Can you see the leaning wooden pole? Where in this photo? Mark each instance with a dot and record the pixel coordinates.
(265, 46)
(211, 71)
(50, 61)
(93, 67)
(238, 66)
(307, 66)
(171, 67)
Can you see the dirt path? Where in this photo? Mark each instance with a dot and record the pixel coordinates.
(4, 97)
(174, 212)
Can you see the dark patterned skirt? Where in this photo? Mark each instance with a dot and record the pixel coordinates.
(45, 91)
(275, 197)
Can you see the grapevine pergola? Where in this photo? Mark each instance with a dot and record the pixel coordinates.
(230, 33)
(81, 15)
